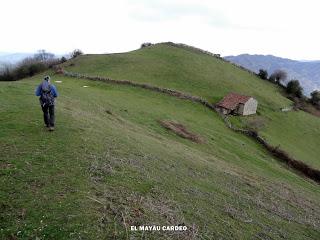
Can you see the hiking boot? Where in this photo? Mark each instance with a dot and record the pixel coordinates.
(51, 129)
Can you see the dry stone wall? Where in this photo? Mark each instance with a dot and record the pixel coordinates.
(283, 156)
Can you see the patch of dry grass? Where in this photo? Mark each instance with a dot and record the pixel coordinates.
(181, 131)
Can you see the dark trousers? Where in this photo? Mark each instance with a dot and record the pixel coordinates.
(48, 115)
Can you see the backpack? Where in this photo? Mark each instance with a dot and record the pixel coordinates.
(46, 98)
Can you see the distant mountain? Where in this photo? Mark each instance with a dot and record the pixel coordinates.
(13, 58)
(307, 72)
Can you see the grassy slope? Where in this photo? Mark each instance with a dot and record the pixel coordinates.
(203, 75)
(98, 173)
(181, 69)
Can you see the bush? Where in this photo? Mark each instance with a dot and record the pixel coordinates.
(6, 75)
(315, 98)
(147, 44)
(27, 68)
(76, 53)
(20, 72)
(63, 59)
(31, 66)
(263, 74)
(294, 88)
(36, 68)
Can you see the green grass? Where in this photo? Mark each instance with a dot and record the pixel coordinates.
(296, 132)
(180, 69)
(99, 173)
(199, 74)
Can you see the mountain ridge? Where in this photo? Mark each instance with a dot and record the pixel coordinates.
(13, 58)
(305, 71)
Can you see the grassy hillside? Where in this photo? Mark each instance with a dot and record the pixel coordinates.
(199, 74)
(110, 165)
(181, 69)
(100, 172)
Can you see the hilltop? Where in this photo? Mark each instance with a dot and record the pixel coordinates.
(193, 72)
(110, 164)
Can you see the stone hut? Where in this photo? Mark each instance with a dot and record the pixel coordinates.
(234, 103)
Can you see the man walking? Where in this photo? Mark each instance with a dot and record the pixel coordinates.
(47, 93)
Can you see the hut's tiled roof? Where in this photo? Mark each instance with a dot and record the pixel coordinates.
(232, 100)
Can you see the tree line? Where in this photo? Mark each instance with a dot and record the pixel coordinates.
(292, 87)
(30, 66)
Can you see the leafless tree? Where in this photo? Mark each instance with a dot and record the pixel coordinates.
(278, 76)
(43, 56)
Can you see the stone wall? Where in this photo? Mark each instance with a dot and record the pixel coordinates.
(283, 156)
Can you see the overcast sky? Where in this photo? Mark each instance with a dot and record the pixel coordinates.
(286, 28)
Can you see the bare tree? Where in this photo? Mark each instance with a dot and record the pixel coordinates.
(278, 76)
(43, 56)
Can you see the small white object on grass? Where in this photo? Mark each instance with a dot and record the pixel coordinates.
(58, 81)
(85, 86)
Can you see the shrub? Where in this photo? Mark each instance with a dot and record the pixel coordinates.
(315, 98)
(63, 59)
(36, 68)
(5, 74)
(20, 72)
(147, 44)
(27, 68)
(76, 53)
(294, 88)
(263, 74)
